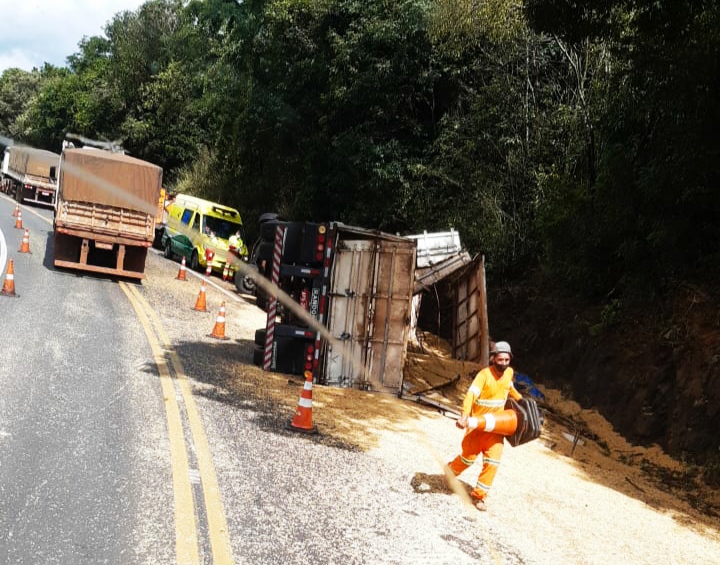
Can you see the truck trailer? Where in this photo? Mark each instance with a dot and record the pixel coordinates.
(29, 174)
(105, 212)
(356, 282)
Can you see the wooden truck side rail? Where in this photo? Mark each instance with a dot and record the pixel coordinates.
(102, 239)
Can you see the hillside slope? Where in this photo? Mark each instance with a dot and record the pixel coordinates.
(652, 371)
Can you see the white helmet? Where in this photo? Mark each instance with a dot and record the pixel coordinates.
(501, 347)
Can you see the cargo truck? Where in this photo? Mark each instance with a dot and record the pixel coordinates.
(29, 174)
(105, 212)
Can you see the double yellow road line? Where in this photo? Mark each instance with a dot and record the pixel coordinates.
(172, 378)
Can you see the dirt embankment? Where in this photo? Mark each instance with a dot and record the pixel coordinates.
(654, 374)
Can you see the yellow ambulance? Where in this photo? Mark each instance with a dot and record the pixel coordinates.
(197, 229)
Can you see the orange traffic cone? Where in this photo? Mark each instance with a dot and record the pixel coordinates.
(25, 245)
(182, 274)
(16, 211)
(225, 272)
(18, 221)
(219, 329)
(302, 421)
(200, 303)
(8, 288)
(504, 423)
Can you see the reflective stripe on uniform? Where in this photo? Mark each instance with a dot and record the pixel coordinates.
(489, 461)
(474, 390)
(490, 403)
(482, 486)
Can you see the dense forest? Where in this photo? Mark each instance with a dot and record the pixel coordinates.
(571, 143)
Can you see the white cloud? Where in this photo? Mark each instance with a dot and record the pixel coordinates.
(34, 32)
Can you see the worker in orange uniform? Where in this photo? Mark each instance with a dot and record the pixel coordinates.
(487, 393)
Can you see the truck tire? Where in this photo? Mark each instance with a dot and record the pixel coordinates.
(258, 357)
(260, 337)
(267, 230)
(168, 249)
(245, 283)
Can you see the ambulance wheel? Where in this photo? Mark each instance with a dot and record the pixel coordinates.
(157, 241)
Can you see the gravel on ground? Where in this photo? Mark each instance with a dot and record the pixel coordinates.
(370, 487)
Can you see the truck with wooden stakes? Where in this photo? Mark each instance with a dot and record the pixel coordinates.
(105, 212)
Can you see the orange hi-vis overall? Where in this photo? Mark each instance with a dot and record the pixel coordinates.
(487, 393)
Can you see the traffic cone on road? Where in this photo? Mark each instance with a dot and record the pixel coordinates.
(18, 221)
(16, 211)
(302, 421)
(182, 274)
(219, 329)
(25, 245)
(225, 272)
(8, 288)
(200, 303)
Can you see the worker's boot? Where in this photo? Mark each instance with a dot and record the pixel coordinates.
(480, 505)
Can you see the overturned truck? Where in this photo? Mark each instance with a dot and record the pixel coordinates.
(105, 212)
(357, 283)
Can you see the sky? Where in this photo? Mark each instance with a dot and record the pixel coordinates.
(34, 32)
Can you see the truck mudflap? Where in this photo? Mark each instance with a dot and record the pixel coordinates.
(120, 257)
(529, 420)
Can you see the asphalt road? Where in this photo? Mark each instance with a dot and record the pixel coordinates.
(84, 475)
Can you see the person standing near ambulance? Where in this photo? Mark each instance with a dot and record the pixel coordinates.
(487, 394)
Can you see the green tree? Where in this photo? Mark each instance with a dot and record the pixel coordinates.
(18, 88)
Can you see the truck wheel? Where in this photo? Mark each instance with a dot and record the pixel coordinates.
(259, 357)
(260, 337)
(168, 248)
(194, 262)
(245, 283)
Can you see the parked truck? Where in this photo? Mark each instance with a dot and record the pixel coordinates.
(105, 212)
(29, 174)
